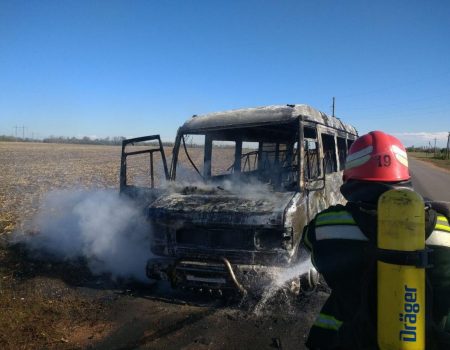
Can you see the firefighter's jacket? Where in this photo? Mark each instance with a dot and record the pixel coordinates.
(342, 241)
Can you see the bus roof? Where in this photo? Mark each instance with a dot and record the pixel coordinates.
(276, 114)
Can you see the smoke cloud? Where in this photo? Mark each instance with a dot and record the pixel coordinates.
(109, 230)
(104, 228)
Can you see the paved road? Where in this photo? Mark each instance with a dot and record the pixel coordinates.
(430, 181)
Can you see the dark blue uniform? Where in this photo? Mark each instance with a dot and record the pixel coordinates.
(342, 241)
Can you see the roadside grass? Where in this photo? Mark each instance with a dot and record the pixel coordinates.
(430, 158)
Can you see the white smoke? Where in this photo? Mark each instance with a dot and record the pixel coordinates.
(101, 226)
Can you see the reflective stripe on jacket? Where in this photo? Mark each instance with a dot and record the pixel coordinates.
(345, 257)
(334, 223)
(339, 251)
(327, 322)
(441, 233)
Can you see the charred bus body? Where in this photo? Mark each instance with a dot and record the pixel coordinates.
(255, 177)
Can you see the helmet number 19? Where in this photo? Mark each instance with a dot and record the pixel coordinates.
(383, 160)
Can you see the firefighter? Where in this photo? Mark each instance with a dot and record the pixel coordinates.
(342, 242)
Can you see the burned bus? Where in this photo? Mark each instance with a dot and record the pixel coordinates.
(229, 211)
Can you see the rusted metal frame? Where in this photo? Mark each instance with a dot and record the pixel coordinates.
(269, 133)
(336, 153)
(307, 160)
(140, 139)
(190, 159)
(143, 151)
(345, 136)
(330, 127)
(237, 156)
(260, 154)
(152, 178)
(207, 157)
(319, 147)
(344, 139)
(175, 152)
(231, 126)
(276, 160)
(233, 276)
(300, 153)
(124, 155)
(163, 156)
(223, 260)
(331, 132)
(123, 169)
(321, 155)
(247, 160)
(289, 152)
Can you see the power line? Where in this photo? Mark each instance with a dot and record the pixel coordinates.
(333, 106)
(448, 146)
(23, 127)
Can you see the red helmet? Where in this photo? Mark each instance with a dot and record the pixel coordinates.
(378, 157)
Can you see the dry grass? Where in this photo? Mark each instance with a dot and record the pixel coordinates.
(39, 308)
(29, 170)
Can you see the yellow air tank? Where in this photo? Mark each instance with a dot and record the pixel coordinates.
(401, 271)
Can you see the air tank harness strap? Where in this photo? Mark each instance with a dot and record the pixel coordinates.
(417, 258)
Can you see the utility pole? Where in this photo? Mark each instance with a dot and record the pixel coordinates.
(333, 107)
(448, 146)
(23, 132)
(435, 148)
(15, 133)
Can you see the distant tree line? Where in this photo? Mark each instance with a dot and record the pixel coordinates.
(112, 141)
(8, 138)
(438, 153)
(115, 140)
(427, 149)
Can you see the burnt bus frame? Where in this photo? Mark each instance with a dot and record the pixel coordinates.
(302, 183)
(305, 187)
(150, 151)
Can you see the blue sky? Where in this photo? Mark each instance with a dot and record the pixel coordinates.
(110, 68)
